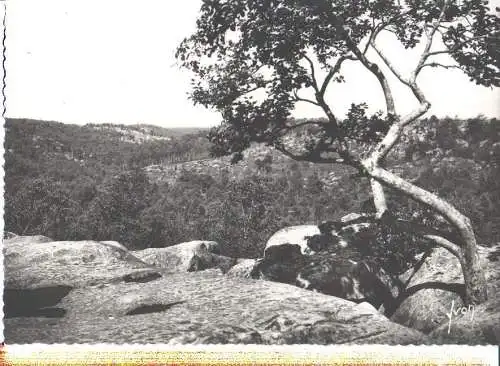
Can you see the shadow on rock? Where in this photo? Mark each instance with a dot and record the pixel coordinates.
(153, 308)
(36, 302)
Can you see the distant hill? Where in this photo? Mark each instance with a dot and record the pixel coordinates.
(151, 131)
(258, 159)
(56, 148)
(145, 186)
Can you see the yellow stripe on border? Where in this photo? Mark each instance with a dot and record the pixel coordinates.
(102, 354)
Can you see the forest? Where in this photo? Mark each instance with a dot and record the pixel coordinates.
(88, 182)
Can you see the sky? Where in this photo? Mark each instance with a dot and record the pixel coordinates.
(110, 61)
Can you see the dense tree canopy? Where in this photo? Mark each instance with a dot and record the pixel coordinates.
(253, 57)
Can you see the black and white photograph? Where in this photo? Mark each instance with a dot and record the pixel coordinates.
(251, 172)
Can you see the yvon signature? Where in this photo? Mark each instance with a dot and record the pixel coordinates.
(454, 312)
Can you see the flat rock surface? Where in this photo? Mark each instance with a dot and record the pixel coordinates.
(32, 264)
(206, 307)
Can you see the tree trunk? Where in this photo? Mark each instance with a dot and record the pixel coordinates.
(474, 279)
(378, 197)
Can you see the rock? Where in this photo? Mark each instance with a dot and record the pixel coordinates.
(243, 268)
(311, 238)
(476, 325)
(366, 306)
(9, 235)
(206, 261)
(141, 276)
(191, 256)
(21, 240)
(345, 274)
(207, 308)
(281, 263)
(114, 244)
(351, 217)
(33, 302)
(327, 262)
(439, 282)
(32, 265)
(339, 272)
(294, 235)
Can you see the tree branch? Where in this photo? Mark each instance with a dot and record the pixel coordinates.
(394, 133)
(313, 73)
(430, 38)
(335, 69)
(437, 64)
(445, 243)
(320, 95)
(389, 64)
(299, 99)
(375, 70)
(314, 158)
(288, 128)
(461, 44)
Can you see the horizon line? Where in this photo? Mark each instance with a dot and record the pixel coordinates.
(456, 117)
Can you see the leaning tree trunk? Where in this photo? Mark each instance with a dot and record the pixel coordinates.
(466, 251)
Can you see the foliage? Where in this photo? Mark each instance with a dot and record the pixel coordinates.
(252, 58)
(40, 205)
(242, 213)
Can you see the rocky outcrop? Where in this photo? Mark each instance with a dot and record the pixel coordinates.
(191, 256)
(34, 264)
(243, 268)
(436, 286)
(346, 274)
(327, 235)
(9, 235)
(206, 308)
(39, 273)
(21, 239)
(337, 272)
(293, 235)
(472, 325)
(321, 258)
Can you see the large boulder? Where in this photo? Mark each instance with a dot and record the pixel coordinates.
(314, 238)
(322, 258)
(9, 235)
(243, 268)
(206, 308)
(293, 235)
(436, 286)
(74, 263)
(196, 255)
(25, 239)
(345, 273)
(479, 324)
(281, 263)
(38, 268)
(339, 272)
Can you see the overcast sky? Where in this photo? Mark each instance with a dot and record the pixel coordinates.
(113, 61)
